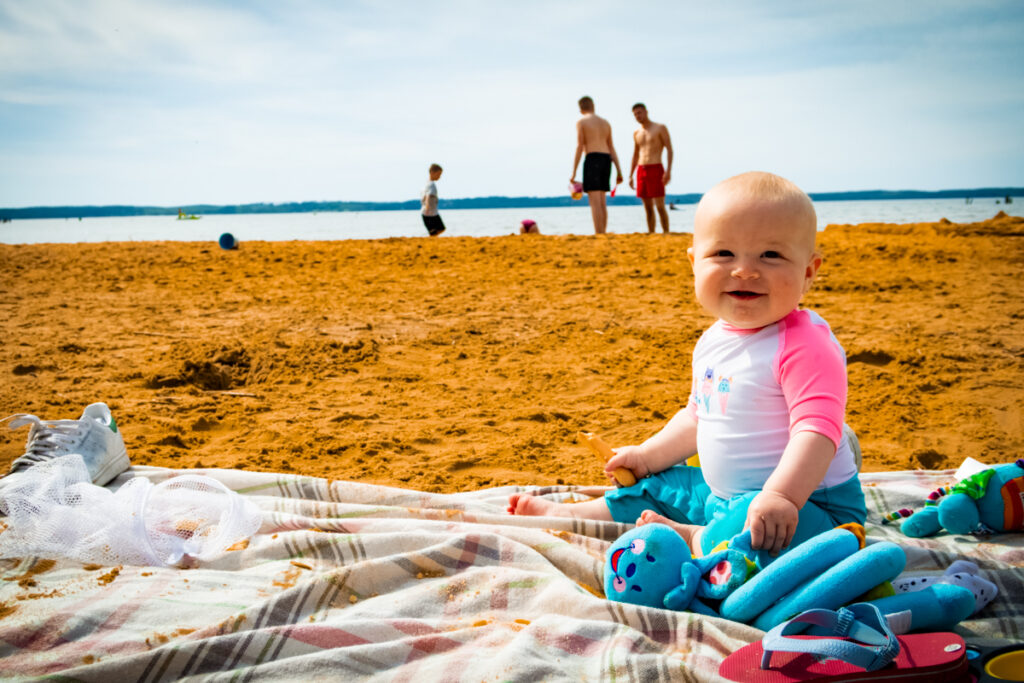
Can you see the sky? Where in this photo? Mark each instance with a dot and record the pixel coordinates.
(178, 102)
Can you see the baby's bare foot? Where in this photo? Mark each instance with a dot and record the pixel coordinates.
(652, 517)
(527, 504)
(687, 531)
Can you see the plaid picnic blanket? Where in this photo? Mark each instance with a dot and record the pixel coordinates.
(352, 581)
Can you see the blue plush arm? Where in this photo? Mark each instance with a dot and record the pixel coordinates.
(794, 569)
(922, 523)
(938, 607)
(958, 513)
(680, 597)
(840, 584)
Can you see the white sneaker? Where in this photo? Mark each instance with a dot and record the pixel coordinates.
(95, 437)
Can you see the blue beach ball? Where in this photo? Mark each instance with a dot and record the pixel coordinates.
(228, 241)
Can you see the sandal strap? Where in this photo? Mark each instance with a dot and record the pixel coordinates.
(858, 623)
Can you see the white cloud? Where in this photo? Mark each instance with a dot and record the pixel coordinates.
(179, 102)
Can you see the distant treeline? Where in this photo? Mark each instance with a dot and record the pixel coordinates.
(471, 203)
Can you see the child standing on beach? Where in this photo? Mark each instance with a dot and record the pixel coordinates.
(768, 393)
(428, 201)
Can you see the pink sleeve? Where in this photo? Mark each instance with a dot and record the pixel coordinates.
(811, 369)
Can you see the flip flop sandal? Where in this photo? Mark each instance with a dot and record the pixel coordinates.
(863, 648)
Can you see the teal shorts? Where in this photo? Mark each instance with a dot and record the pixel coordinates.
(681, 494)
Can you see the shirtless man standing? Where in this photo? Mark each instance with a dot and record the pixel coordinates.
(649, 139)
(594, 136)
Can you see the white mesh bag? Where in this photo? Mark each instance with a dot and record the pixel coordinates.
(195, 516)
(54, 510)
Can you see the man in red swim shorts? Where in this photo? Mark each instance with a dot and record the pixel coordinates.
(651, 177)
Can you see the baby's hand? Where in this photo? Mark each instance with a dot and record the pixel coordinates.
(630, 457)
(772, 519)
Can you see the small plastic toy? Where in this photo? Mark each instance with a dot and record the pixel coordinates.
(603, 451)
(990, 664)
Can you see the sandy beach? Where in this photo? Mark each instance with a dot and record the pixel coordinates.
(460, 363)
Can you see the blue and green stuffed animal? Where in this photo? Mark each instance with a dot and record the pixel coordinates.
(651, 565)
(987, 502)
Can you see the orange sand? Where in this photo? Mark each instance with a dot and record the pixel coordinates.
(458, 363)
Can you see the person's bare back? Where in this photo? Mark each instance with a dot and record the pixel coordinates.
(594, 134)
(594, 138)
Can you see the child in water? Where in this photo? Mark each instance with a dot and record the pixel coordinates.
(768, 394)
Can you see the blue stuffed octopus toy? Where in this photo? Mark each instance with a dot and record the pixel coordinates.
(651, 565)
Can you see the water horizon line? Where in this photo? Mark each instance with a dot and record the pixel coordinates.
(487, 202)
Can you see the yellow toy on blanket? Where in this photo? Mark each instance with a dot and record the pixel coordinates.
(603, 451)
(623, 476)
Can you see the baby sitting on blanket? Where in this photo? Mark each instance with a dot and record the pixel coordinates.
(768, 394)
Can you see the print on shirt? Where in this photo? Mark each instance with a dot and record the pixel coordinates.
(724, 383)
(706, 389)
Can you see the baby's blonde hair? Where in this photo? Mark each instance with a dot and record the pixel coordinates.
(767, 186)
(770, 186)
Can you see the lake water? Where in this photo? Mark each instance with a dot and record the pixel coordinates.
(464, 222)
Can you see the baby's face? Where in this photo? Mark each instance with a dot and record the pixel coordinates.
(752, 258)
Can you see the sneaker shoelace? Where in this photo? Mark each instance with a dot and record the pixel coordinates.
(47, 439)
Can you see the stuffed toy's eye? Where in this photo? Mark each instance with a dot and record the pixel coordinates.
(619, 584)
(637, 546)
(650, 558)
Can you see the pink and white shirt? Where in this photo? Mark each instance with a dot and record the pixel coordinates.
(754, 389)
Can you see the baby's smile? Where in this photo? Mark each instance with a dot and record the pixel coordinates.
(744, 294)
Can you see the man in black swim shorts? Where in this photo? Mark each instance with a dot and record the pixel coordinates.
(594, 137)
(597, 171)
